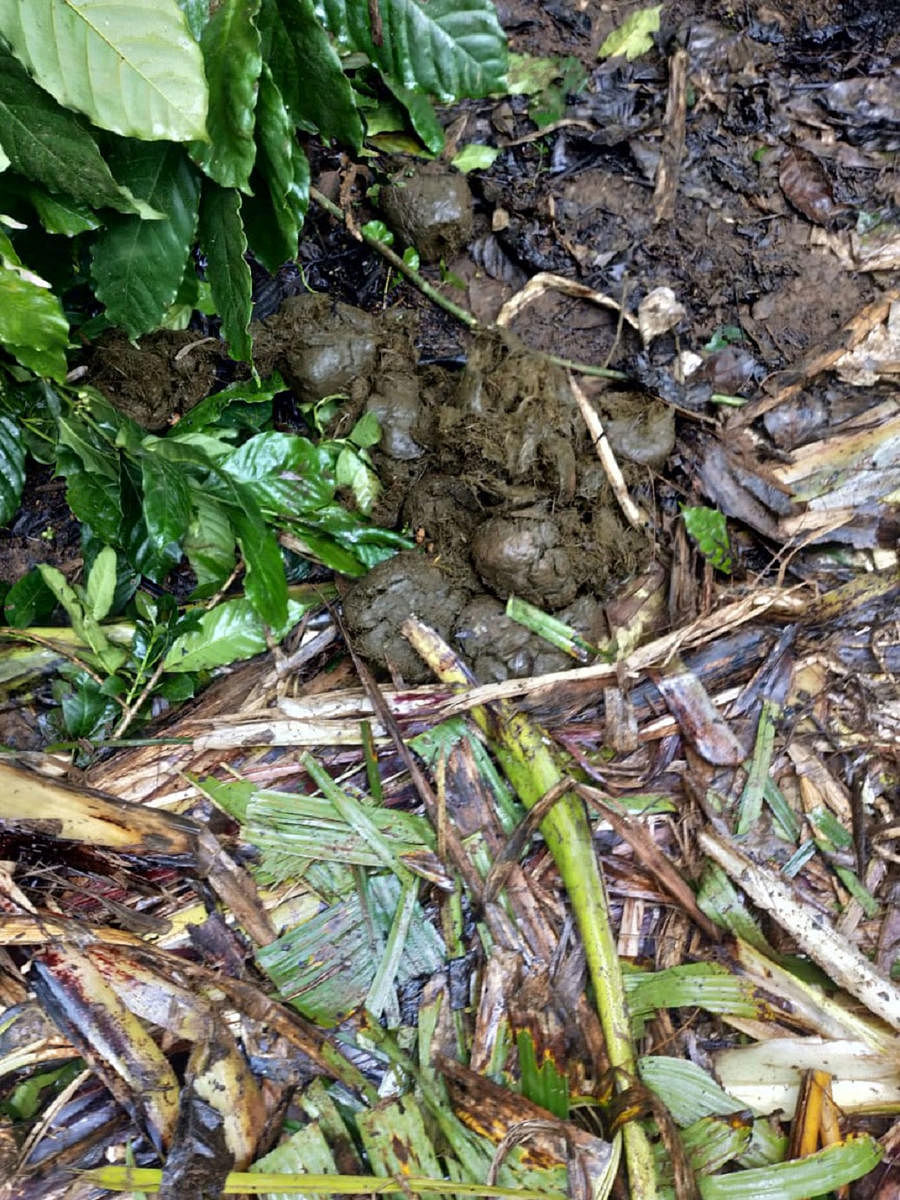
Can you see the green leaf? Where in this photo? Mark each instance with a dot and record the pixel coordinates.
(133, 68)
(308, 72)
(28, 601)
(366, 432)
(209, 545)
(528, 75)
(275, 213)
(4, 159)
(86, 710)
(209, 413)
(52, 146)
(96, 501)
(12, 461)
(231, 51)
(101, 584)
(545, 1084)
(138, 265)
(708, 529)
(230, 632)
(421, 114)
(94, 453)
(450, 48)
(223, 242)
(379, 231)
(84, 624)
(634, 36)
(283, 472)
(196, 13)
(354, 472)
(815, 1175)
(474, 157)
(167, 500)
(33, 327)
(265, 584)
(59, 214)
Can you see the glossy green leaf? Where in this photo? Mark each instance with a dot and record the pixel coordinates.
(4, 159)
(283, 472)
(209, 545)
(231, 51)
(12, 461)
(167, 500)
(50, 145)
(86, 711)
(132, 68)
(138, 265)
(33, 328)
(196, 13)
(83, 623)
(307, 70)
(224, 243)
(60, 214)
(230, 632)
(96, 500)
(353, 472)
(450, 48)
(378, 230)
(101, 584)
(264, 582)
(324, 549)
(95, 454)
(274, 214)
(213, 410)
(421, 115)
(366, 432)
(29, 601)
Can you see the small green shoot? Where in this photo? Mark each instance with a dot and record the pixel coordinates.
(551, 629)
(379, 231)
(707, 528)
(546, 1084)
(725, 335)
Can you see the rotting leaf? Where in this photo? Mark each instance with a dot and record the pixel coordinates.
(808, 188)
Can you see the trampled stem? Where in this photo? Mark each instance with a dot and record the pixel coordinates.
(522, 749)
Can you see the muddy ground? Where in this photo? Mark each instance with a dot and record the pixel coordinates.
(746, 163)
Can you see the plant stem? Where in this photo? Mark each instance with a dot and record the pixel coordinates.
(523, 751)
(397, 263)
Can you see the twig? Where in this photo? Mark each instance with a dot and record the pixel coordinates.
(673, 139)
(132, 710)
(635, 516)
(455, 310)
(397, 262)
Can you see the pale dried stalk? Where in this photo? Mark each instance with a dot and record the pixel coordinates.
(634, 515)
(840, 960)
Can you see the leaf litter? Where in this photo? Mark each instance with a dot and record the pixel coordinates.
(373, 953)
